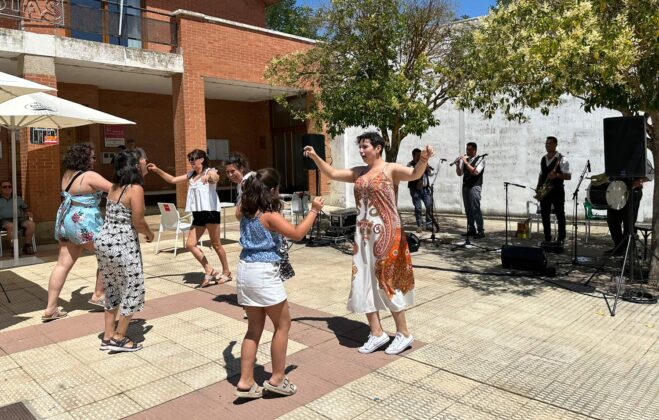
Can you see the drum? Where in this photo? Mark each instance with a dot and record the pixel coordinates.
(616, 195)
(597, 195)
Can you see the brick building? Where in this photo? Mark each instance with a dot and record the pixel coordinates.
(189, 73)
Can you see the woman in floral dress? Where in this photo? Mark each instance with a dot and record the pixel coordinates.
(78, 221)
(382, 277)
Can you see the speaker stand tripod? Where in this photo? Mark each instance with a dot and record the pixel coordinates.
(316, 239)
(631, 257)
(430, 211)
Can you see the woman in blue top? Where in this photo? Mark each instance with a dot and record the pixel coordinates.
(78, 221)
(259, 286)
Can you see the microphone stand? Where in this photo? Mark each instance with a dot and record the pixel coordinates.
(505, 185)
(575, 214)
(431, 211)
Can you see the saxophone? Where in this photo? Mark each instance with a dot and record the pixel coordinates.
(542, 191)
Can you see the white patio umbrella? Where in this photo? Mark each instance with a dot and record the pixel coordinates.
(41, 110)
(12, 86)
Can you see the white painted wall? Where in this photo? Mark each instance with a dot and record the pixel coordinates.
(514, 152)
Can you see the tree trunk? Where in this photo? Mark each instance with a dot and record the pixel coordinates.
(394, 144)
(654, 252)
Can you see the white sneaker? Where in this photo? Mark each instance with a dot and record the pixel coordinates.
(374, 343)
(400, 344)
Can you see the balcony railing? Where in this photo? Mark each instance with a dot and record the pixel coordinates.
(94, 20)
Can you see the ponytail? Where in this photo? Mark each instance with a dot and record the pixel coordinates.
(257, 193)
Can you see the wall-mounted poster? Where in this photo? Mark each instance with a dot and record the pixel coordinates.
(44, 136)
(114, 135)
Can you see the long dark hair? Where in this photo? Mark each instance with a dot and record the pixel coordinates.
(126, 169)
(78, 157)
(257, 195)
(238, 160)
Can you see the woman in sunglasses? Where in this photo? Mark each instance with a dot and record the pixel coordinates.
(204, 204)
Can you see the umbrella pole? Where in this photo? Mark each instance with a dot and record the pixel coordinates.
(14, 194)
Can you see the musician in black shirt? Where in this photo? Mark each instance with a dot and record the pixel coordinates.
(470, 167)
(554, 170)
(420, 193)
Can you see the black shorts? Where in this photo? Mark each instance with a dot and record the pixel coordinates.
(203, 218)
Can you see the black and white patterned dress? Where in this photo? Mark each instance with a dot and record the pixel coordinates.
(120, 259)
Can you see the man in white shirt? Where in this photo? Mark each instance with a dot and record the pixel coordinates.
(470, 167)
(554, 170)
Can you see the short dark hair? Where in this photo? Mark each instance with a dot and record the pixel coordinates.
(238, 160)
(78, 157)
(472, 144)
(121, 147)
(552, 138)
(257, 195)
(126, 169)
(199, 154)
(416, 150)
(374, 138)
(130, 141)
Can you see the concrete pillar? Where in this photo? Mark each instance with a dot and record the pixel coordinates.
(39, 164)
(189, 123)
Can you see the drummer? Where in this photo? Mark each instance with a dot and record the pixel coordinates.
(618, 220)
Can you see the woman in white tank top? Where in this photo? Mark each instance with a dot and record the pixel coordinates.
(204, 204)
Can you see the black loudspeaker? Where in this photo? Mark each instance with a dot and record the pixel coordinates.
(413, 242)
(317, 141)
(624, 147)
(524, 258)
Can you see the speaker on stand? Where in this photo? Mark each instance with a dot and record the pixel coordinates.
(317, 141)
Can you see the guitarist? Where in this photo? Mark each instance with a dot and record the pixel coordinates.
(554, 170)
(420, 192)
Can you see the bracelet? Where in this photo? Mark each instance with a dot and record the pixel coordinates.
(423, 160)
(313, 211)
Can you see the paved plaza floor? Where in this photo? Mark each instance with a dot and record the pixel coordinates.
(490, 342)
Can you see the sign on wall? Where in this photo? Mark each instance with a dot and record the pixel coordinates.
(44, 136)
(114, 135)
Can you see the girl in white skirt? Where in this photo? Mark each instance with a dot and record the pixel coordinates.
(260, 288)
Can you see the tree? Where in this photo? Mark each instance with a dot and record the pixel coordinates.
(285, 16)
(382, 63)
(529, 53)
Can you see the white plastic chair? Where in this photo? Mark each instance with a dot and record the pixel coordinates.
(300, 204)
(3, 233)
(171, 220)
(533, 213)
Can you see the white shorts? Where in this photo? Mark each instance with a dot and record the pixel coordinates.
(259, 284)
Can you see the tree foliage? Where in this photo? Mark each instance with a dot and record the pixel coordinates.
(382, 63)
(529, 53)
(285, 16)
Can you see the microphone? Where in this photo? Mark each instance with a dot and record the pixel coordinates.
(442, 160)
(588, 164)
(484, 154)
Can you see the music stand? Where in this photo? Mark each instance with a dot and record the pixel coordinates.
(430, 212)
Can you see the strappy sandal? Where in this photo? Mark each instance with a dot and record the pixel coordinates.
(100, 302)
(285, 388)
(122, 345)
(223, 278)
(254, 392)
(209, 278)
(104, 344)
(58, 314)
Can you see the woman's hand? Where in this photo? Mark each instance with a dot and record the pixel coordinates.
(149, 236)
(204, 179)
(309, 152)
(427, 153)
(152, 167)
(318, 202)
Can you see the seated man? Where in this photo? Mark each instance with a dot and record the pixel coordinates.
(7, 215)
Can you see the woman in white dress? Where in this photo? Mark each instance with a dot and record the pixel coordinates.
(204, 204)
(382, 277)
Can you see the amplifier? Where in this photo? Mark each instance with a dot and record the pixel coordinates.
(524, 257)
(343, 218)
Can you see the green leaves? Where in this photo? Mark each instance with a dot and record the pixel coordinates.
(383, 63)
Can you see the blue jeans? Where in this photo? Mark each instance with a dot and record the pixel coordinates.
(472, 201)
(419, 196)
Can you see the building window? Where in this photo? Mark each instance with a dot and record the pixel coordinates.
(99, 20)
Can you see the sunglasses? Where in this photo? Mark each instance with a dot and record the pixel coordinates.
(4, 187)
(193, 159)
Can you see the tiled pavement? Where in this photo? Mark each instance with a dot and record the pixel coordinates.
(489, 344)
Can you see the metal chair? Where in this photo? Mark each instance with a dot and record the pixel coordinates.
(300, 204)
(590, 216)
(533, 213)
(171, 220)
(3, 233)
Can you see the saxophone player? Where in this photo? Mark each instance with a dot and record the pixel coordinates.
(554, 170)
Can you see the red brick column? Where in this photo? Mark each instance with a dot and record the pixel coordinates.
(189, 123)
(40, 166)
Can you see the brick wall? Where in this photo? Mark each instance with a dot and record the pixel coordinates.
(251, 12)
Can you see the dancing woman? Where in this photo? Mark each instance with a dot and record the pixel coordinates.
(204, 204)
(78, 222)
(382, 276)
